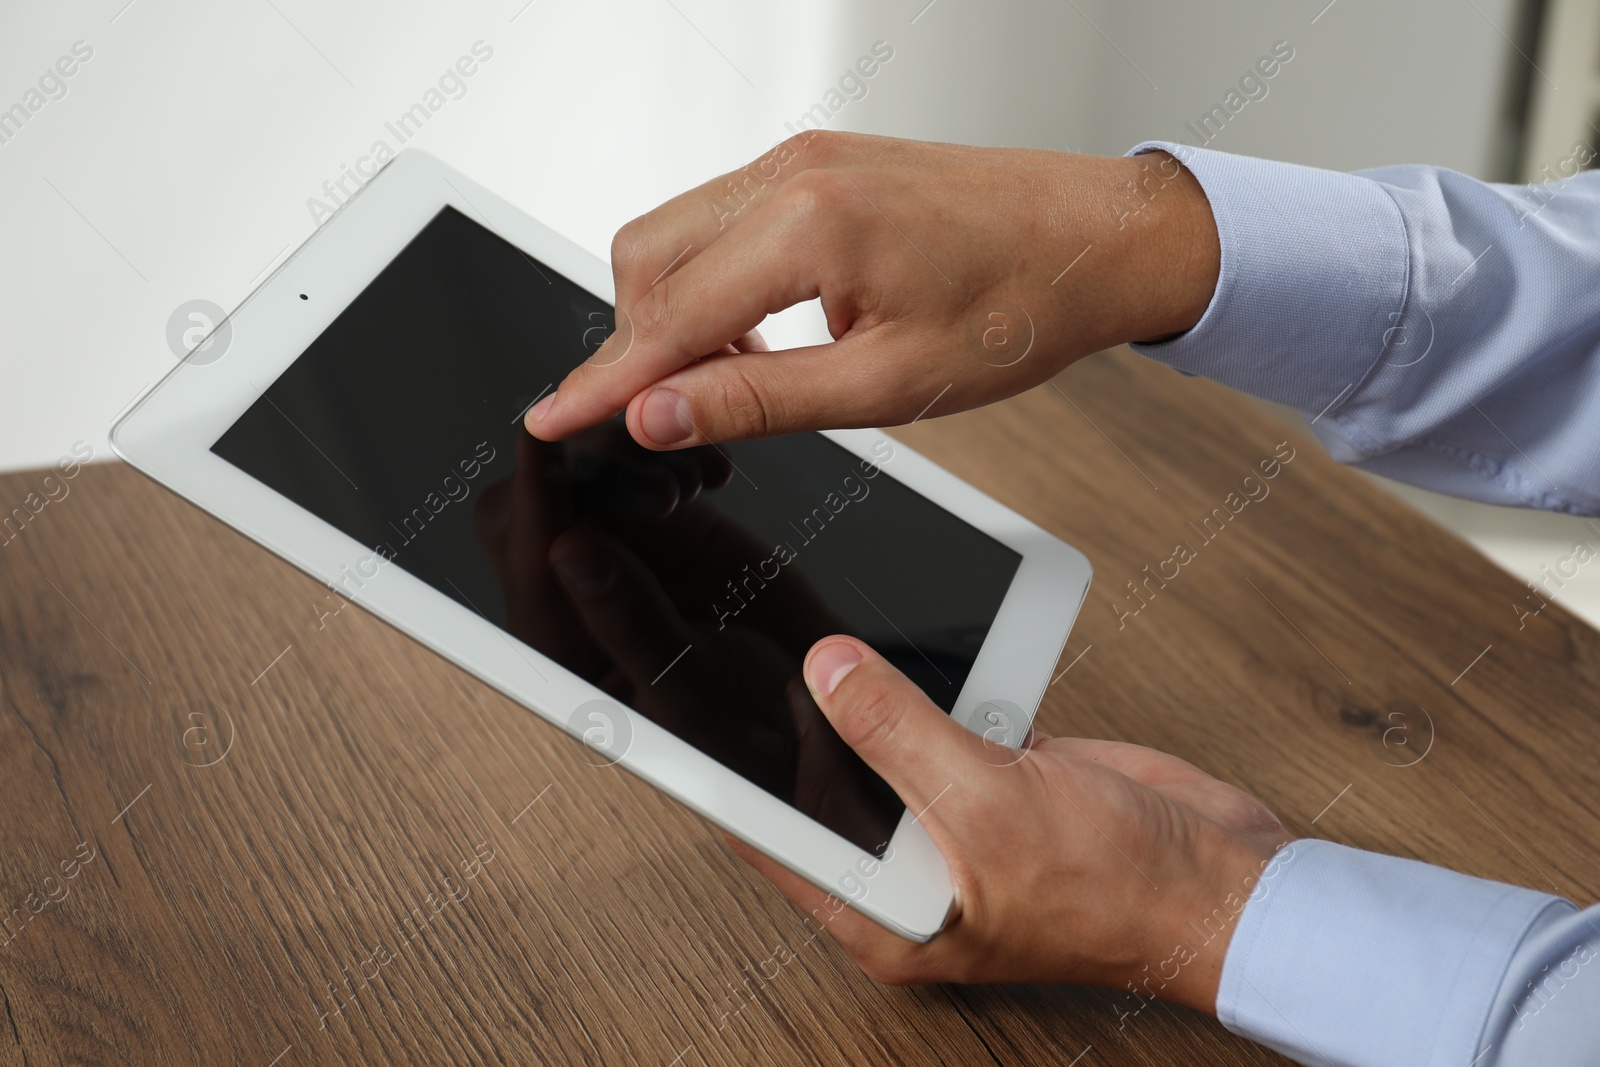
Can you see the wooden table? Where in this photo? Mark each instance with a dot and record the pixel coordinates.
(251, 794)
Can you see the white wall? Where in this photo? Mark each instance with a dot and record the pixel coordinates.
(181, 160)
(179, 163)
(1372, 82)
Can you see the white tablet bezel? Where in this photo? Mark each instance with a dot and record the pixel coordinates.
(169, 432)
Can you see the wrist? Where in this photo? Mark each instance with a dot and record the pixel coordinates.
(1175, 255)
(1196, 931)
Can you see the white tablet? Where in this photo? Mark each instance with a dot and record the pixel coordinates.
(361, 416)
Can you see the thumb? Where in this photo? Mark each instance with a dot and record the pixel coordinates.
(733, 397)
(890, 723)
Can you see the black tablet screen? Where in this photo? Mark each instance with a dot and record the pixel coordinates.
(717, 568)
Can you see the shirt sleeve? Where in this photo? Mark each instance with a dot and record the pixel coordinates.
(1548, 1007)
(1344, 958)
(1434, 328)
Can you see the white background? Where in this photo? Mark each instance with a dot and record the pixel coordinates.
(180, 162)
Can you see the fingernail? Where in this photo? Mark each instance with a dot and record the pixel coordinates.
(665, 418)
(541, 409)
(828, 667)
(583, 569)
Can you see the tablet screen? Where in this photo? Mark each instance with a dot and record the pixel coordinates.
(687, 585)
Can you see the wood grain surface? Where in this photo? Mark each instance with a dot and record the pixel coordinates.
(239, 829)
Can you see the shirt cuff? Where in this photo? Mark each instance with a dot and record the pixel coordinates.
(1312, 282)
(1538, 1021)
(1352, 958)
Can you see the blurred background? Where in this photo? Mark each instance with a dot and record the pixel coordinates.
(188, 152)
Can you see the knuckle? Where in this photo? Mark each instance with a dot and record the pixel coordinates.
(630, 246)
(812, 147)
(815, 194)
(871, 714)
(794, 148)
(745, 406)
(653, 312)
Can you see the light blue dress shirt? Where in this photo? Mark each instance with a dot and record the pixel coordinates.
(1445, 332)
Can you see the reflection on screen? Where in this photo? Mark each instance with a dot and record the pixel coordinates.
(686, 585)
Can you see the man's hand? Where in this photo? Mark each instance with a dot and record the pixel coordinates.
(1090, 862)
(948, 274)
